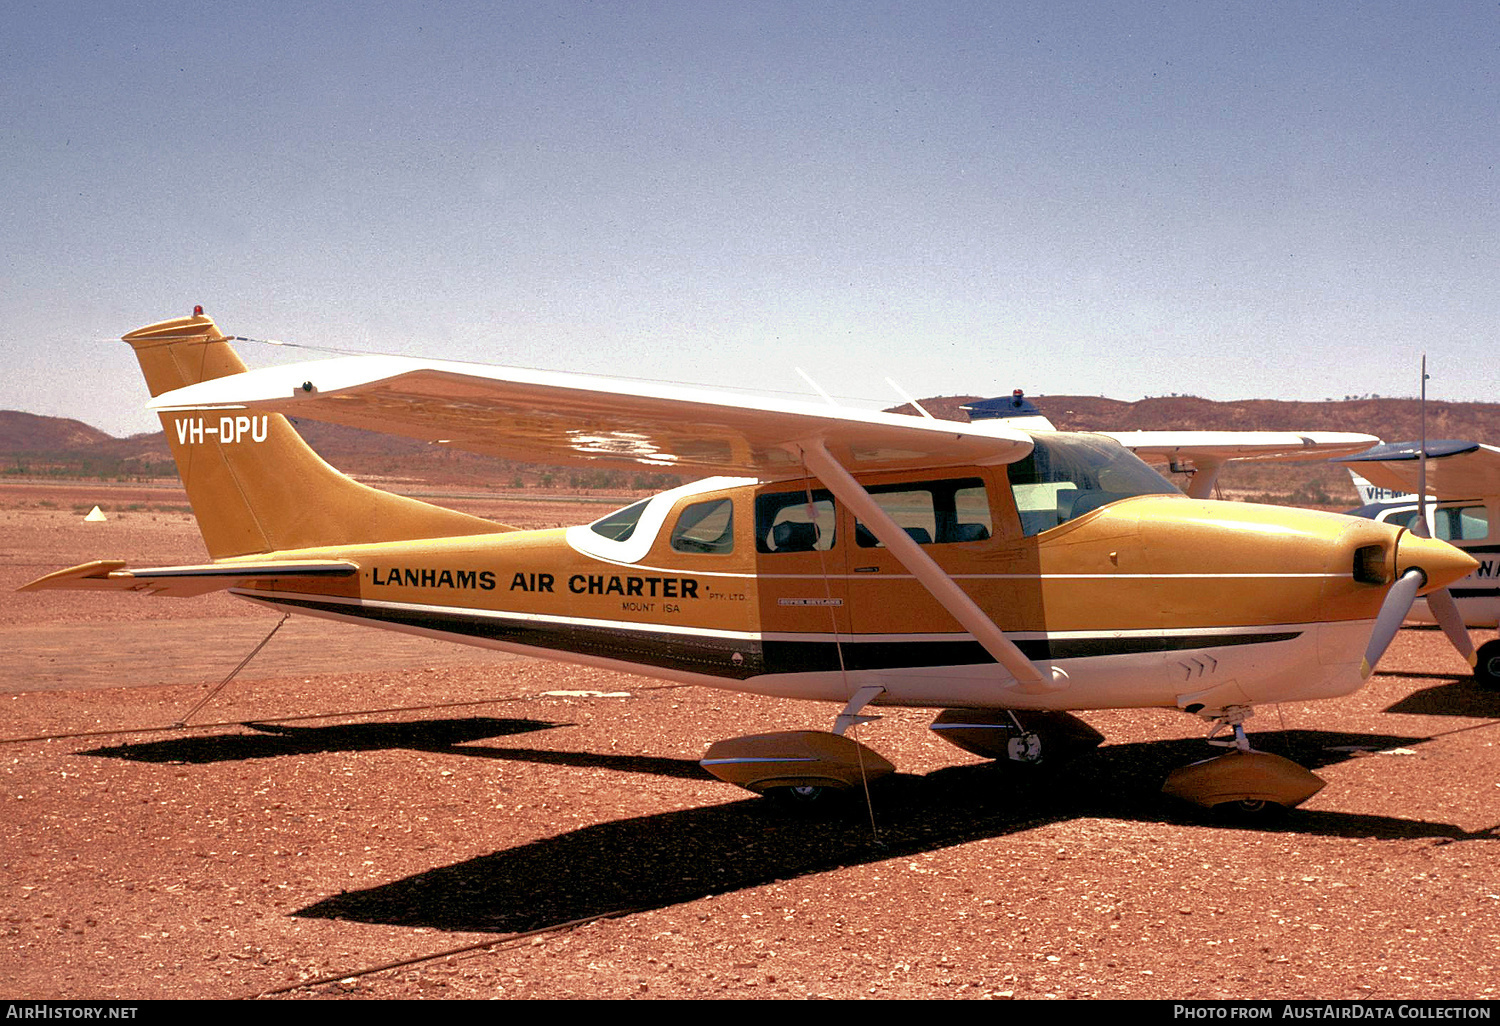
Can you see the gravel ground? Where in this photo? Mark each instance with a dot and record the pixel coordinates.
(348, 804)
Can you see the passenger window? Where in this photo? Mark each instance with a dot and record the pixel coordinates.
(786, 522)
(933, 512)
(620, 524)
(705, 527)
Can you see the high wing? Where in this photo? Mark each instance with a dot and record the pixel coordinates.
(1455, 469)
(1208, 451)
(548, 417)
(184, 581)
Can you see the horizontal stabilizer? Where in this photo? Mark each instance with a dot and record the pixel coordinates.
(183, 581)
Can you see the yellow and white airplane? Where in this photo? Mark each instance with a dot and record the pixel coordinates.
(1001, 575)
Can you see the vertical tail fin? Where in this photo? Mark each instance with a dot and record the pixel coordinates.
(254, 484)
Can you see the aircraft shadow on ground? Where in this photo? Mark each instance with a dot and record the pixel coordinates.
(1460, 697)
(652, 862)
(275, 740)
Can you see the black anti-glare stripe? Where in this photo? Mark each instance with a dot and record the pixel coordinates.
(792, 656)
(716, 656)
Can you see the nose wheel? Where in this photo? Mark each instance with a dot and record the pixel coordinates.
(1243, 783)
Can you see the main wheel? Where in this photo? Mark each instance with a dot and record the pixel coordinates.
(1250, 810)
(808, 797)
(1487, 665)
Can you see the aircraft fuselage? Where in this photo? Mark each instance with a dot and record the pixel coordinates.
(777, 589)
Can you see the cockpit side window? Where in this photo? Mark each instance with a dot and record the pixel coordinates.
(789, 522)
(705, 527)
(1067, 476)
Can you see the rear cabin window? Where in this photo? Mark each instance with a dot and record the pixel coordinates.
(705, 527)
(620, 524)
(791, 522)
(933, 512)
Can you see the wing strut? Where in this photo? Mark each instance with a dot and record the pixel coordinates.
(1202, 484)
(922, 566)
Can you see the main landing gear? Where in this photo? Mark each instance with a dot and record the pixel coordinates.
(802, 767)
(1019, 735)
(1243, 782)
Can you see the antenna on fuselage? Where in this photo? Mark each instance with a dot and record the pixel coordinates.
(902, 393)
(1440, 602)
(1423, 509)
(815, 386)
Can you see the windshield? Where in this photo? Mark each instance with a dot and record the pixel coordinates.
(1068, 475)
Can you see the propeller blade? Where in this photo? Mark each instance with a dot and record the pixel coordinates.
(1445, 611)
(1397, 602)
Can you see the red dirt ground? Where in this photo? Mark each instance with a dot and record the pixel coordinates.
(356, 799)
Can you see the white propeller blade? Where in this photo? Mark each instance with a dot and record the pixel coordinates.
(1397, 602)
(1445, 611)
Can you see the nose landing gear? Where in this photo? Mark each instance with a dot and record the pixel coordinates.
(1242, 782)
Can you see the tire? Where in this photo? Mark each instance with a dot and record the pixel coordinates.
(1250, 811)
(808, 798)
(1487, 665)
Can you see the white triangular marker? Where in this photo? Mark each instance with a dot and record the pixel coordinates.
(96, 516)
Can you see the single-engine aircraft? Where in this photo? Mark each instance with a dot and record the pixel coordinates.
(1463, 506)
(1000, 575)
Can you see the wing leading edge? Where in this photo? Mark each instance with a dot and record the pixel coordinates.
(570, 419)
(1208, 451)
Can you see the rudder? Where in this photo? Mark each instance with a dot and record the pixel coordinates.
(255, 486)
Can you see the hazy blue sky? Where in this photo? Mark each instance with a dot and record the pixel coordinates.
(1260, 199)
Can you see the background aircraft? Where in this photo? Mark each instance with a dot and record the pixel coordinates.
(1462, 508)
(1000, 575)
(1199, 454)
